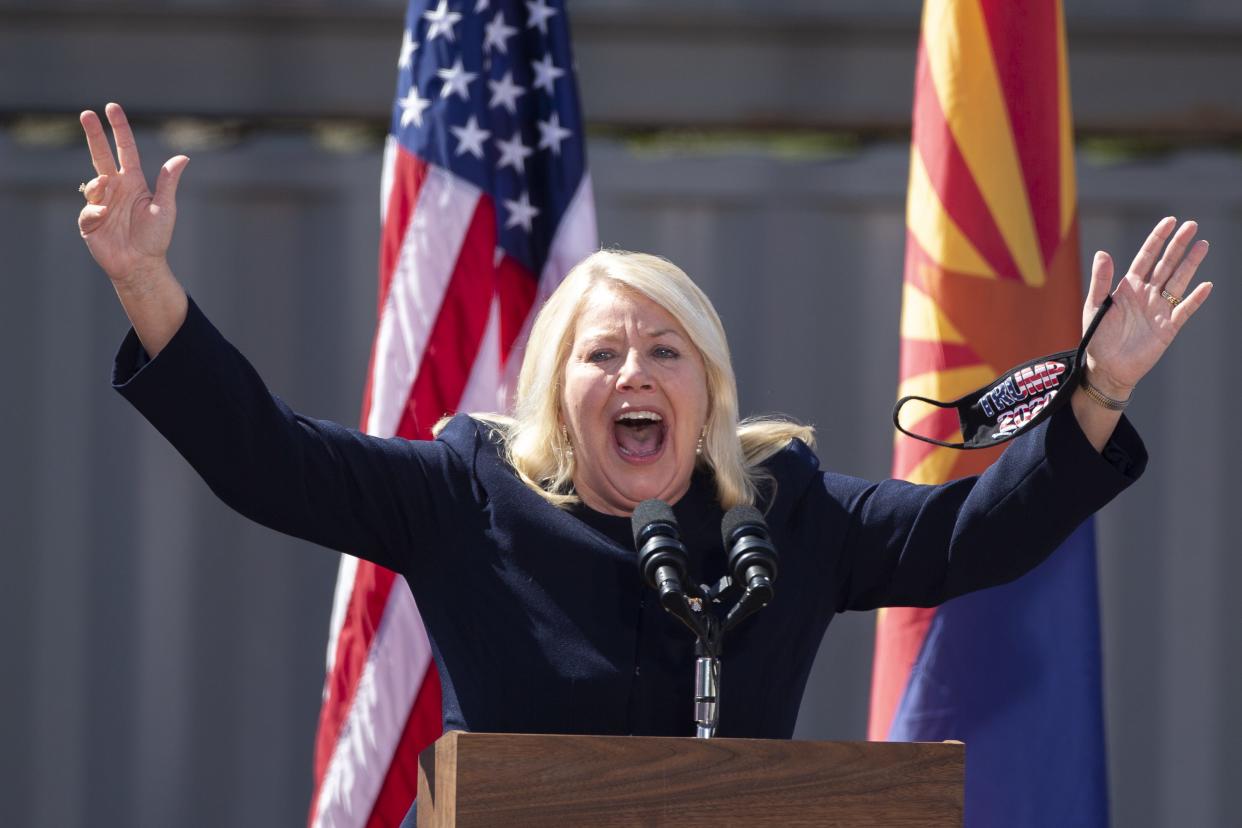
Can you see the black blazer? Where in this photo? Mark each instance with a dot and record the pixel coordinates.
(537, 617)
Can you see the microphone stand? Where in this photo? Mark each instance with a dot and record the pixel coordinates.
(707, 677)
(709, 641)
(709, 633)
(663, 560)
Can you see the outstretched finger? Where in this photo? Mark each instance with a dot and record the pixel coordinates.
(166, 184)
(1101, 281)
(97, 143)
(1187, 307)
(1145, 260)
(126, 149)
(1186, 270)
(1173, 253)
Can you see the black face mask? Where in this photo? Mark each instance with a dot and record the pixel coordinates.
(1023, 398)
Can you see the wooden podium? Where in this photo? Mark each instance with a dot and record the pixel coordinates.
(497, 779)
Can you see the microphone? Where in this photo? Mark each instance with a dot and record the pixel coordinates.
(662, 557)
(752, 559)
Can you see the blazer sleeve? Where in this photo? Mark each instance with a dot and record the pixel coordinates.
(375, 498)
(917, 545)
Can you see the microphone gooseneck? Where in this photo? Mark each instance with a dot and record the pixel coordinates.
(663, 564)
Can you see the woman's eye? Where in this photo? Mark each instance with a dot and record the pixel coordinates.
(664, 352)
(601, 355)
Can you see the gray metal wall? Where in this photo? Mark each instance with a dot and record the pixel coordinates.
(164, 658)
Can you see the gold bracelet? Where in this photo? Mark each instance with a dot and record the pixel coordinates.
(1101, 398)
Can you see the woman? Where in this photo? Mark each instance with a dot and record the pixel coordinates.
(514, 533)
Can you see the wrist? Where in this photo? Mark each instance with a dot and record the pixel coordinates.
(143, 278)
(1105, 392)
(1105, 382)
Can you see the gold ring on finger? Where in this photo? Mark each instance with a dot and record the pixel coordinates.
(1173, 301)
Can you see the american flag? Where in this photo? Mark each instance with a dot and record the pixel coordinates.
(485, 204)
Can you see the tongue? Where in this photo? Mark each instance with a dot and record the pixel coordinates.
(640, 440)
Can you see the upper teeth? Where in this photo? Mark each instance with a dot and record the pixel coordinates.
(649, 416)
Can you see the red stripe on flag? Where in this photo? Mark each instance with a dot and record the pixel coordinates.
(422, 728)
(951, 178)
(1023, 38)
(367, 601)
(458, 329)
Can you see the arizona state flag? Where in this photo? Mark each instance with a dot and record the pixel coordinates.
(991, 280)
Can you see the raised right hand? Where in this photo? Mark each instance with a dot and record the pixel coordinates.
(125, 226)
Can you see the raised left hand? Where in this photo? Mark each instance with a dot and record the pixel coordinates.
(1142, 323)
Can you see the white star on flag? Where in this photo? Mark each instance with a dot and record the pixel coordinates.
(470, 138)
(513, 153)
(497, 33)
(551, 134)
(412, 107)
(505, 93)
(521, 212)
(481, 5)
(442, 22)
(545, 73)
(456, 79)
(408, 47)
(539, 13)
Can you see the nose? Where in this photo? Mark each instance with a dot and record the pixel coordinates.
(633, 374)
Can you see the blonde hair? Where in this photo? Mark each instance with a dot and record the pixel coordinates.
(534, 444)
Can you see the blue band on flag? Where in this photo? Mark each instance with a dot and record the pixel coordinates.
(1005, 666)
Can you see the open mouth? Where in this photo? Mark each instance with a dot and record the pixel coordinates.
(639, 435)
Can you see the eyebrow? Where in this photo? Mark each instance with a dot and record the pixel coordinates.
(605, 334)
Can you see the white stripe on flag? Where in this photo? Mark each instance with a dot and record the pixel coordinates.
(390, 160)
(575, 239)
(395, 669)
(429, 251)
(482, 391)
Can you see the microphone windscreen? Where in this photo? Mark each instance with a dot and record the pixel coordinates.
(648, 512)
(736, 518)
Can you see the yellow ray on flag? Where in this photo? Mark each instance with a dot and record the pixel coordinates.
(935, 467)
(922, 319)
(935, 229)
